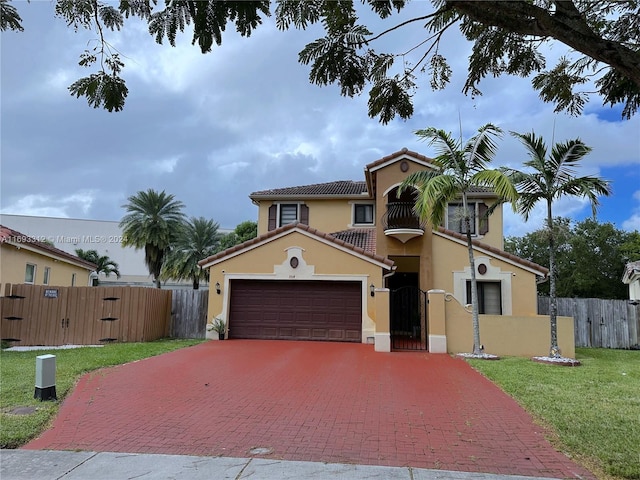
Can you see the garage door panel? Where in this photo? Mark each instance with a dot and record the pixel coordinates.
(302, 310)
(353, 336)
(270, 331)
(337, 334)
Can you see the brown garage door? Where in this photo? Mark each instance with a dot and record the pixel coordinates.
(296, 310)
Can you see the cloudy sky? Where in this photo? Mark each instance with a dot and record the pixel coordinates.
(212, 128)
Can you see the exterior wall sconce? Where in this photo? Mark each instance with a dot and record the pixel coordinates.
(372, 289)
(218, 288)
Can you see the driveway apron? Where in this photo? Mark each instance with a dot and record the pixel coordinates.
(313, 401)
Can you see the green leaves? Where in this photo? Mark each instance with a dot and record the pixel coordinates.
(103, 263)
(389, 98)
(101, 90)
(77, 13)
(110, 17)
(440, 72)
(616, 88)
(335, 60)
(506, 38)
(169, 21)
(557, 86)
(198, 238)
(496, 52)
(9, 17)
(590, 256)
(152, 222)
(209, 19)
(297, 13)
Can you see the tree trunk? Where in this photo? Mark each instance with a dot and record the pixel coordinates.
(196, 283)
(475, 319)
(554, 350)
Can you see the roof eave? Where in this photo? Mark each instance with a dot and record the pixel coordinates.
(255, 198)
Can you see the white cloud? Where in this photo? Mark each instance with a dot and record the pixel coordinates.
(633, 222)
(515, 226)
(239, 119)
(167, 165)
(50, 206)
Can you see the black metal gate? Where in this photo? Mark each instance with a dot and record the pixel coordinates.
(408, 319)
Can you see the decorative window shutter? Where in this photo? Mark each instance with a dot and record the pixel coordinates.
(304, 214)
(273, 213)
(484, 219)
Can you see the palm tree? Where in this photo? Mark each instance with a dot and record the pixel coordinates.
(461, 168)
(104, 263)
(152, 222)
(551, 177)
(198, 238)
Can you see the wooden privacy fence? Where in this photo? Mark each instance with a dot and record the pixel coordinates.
(599, 322)
(46, 315)
(189, 313)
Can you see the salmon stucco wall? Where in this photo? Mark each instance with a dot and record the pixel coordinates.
(451, 271)
(522, 336)
(386, 179)
(13, 262)
(318, 261)
(326, 215)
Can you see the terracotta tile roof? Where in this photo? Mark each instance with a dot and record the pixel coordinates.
(364, 238)
(399, 153)
(337, 188)
(16, 238)
(500, 253)
(417, 156)
(291, 226)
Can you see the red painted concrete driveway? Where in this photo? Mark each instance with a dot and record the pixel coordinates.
(312, 401)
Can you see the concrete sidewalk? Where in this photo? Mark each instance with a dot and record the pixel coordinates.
(62, 465)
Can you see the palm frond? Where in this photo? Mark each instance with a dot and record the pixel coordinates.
(447, 149)
(482, 147)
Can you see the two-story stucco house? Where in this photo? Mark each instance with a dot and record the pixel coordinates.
(350, 261)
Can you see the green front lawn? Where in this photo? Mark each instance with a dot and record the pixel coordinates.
(17, 381)
(594, 408)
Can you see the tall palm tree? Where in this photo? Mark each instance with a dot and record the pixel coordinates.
(152, 221)
(198, 238)
(549, 178)
(104, 263)
(461, 168)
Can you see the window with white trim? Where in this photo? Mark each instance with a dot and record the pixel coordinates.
(46, 276)
(363, 214)
(30, 273)
(489, 297)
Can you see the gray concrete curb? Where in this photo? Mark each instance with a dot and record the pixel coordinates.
(63, 465)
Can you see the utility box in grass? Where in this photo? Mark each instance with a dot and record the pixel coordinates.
(45, 378)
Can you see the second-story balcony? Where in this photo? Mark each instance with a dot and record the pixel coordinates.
(401, 222)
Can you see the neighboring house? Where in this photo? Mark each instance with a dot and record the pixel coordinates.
(631, 277)
(350, 261)
(25, 259)
(104, 236)
(69, 234)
